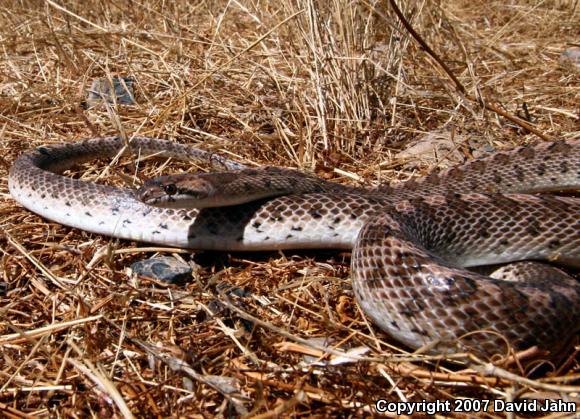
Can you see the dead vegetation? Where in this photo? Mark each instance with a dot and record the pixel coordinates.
(336, 87)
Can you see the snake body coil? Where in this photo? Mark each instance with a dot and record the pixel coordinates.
(410, 242)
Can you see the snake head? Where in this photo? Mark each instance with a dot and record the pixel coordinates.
(176, 191)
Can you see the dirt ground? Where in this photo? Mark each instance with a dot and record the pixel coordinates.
(339, 88)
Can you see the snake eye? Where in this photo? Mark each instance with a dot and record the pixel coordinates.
(170, 189)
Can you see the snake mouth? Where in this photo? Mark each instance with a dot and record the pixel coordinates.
(151, 193)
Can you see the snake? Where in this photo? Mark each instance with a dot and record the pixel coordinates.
(412, 242)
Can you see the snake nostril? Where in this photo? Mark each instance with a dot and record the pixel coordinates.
(142, 194)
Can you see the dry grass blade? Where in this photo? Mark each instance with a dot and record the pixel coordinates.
(31, 335)
(100, 378)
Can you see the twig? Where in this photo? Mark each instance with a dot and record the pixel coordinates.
(457, 83)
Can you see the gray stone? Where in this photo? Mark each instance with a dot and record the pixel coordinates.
(121, 89)
(163, 268)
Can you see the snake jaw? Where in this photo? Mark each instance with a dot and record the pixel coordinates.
(151, 193)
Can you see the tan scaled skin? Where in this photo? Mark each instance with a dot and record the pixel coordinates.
(410, 243)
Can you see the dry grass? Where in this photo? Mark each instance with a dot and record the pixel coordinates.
(336, 87)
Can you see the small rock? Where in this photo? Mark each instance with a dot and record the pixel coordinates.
(231, 290)
(122, 89)
(431, 148)
(164, 268)
(570, 58)
(217, 307)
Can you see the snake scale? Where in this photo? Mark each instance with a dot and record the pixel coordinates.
(410, 242)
